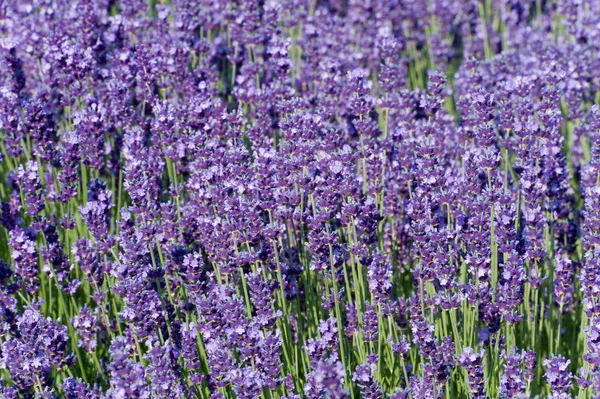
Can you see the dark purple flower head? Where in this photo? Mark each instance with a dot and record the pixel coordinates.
(364, 377)
(326, 343)
(246, 382)
(401, 348)
(442, 361)
(24, 257)
(85, 325)
(261, 293)
(127, 376)
(529, 364)
(268, 360)
(77, 389)
(593, 342)
(379, 275)
(351, 326)
(473, 363)
(422, 333)
(371, 323)
(587, 378)
(96, 212)
(163, 372)
(29, 182)
(558, 376)
(422, 388)
(563, 280)
(511, 381)
(326, 380)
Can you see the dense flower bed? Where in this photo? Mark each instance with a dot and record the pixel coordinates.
(299, 199)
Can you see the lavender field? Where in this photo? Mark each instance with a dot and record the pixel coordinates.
(321, 199)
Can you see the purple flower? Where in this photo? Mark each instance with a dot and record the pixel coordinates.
(421, 388)
(24, 257)
(76, 389)
(529, 364)
(563, 280)
(511, 381)
(401, 348)
(29, 181)
(163, 372)
(85, 325)
(351, 326)
(379, 275)
(326, 380)
(189, 352)
(558, 376)
(35, 349)
(422, 333)
(370, 323)
(327, 375)
(261, 294)
(84, 253)
(96, 212)
(364, 377)
(473, 363)
(127, 376)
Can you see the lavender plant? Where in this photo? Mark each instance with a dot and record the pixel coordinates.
(299, 199)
